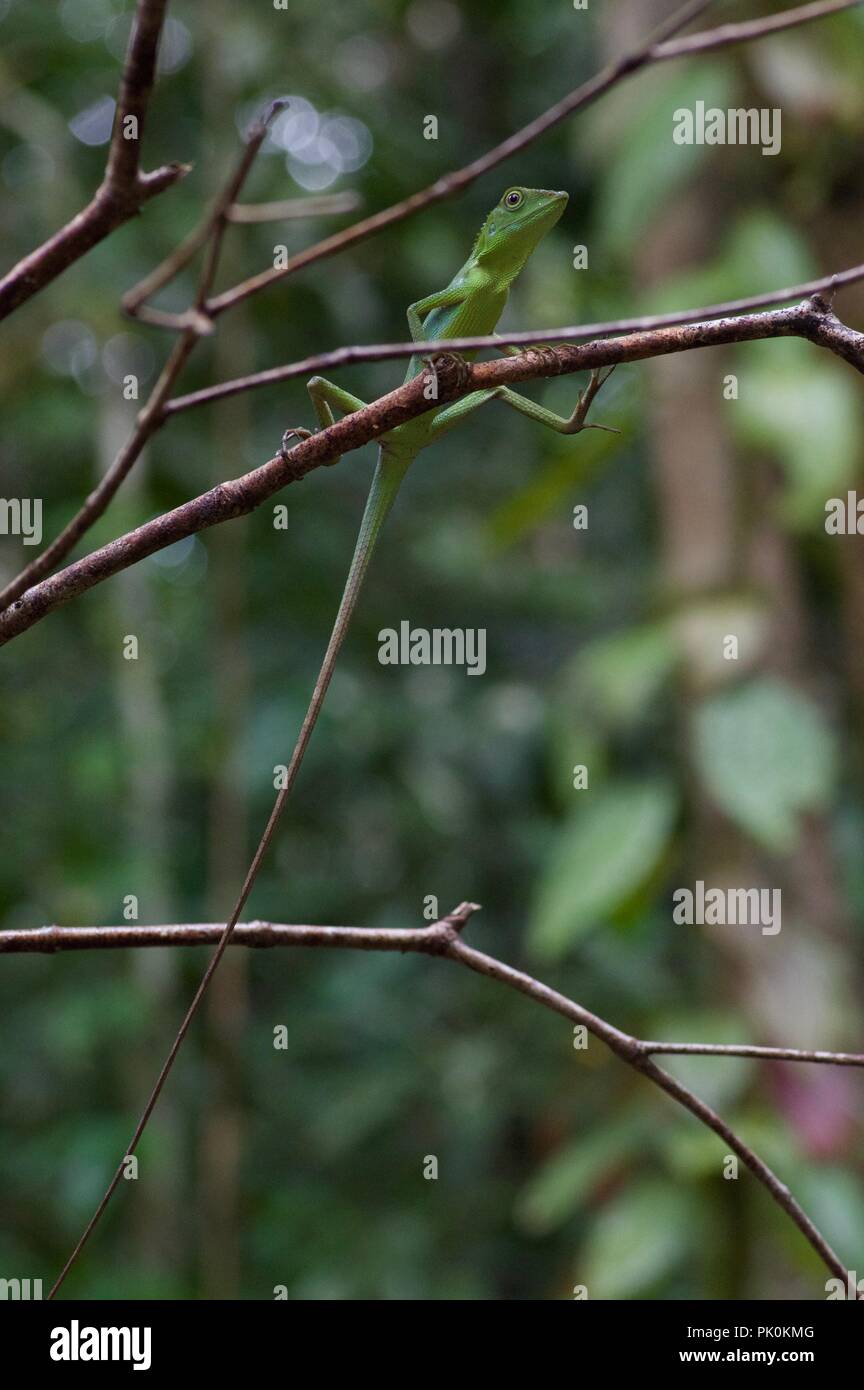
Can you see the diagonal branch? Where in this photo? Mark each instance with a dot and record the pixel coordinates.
(209, 233)
(812, 319)
(632, 1051)
(658, 47)
(443, 938)
(124, 188)
(194, 325)
(727, 34)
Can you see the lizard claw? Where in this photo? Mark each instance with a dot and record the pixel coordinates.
(450, 362)
(577, 421)
(297, 433)
(542, 350)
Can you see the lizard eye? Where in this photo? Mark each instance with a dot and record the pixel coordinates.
(513, 198)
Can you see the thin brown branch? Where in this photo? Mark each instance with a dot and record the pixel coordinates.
(229, 194)
(443, 938)
(631, 1051)
(123, 169)
(381, 352)
(727, 34)
(292, 209)
(134, 300)
(131, 936)
(124, 188)
(212, 228)
(811, 320)
(164, 272)
(659, 47)
(190, 320)
(149, 420)
(779, 1054)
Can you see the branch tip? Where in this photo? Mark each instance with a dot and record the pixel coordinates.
(823, 304)
(457, 920)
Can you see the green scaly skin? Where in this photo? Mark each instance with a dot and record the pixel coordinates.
(471, 305)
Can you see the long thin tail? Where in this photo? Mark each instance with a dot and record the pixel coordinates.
(382, 494)
(385, 485)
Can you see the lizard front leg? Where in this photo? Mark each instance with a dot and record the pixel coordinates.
(442, 299)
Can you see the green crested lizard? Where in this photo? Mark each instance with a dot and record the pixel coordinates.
(471, 305)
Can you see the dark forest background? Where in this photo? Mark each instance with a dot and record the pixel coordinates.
(303, 1167)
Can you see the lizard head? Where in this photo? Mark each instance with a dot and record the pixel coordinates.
(515, 226)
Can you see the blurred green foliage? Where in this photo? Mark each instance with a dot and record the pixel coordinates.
(303, 1167)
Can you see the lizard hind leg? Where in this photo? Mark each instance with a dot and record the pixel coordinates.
(572, 424)
(326, 398)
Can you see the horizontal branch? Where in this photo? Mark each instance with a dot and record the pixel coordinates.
(811, 319)
(778, 1054)
(292, 209)
(382, 352)
(124, 188)
(443, 938)
(426, 940)
(130, 936)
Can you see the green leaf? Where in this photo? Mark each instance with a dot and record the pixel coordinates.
(638, 1239)
(566, 473)
(766, 755)
(647, 166)
(806, 413)
(604, 852)
(719, 1080)
(834, 1198)
(624, 672)
(558, 1189)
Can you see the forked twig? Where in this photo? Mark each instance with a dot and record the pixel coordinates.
(124, 187)
(444, 938)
